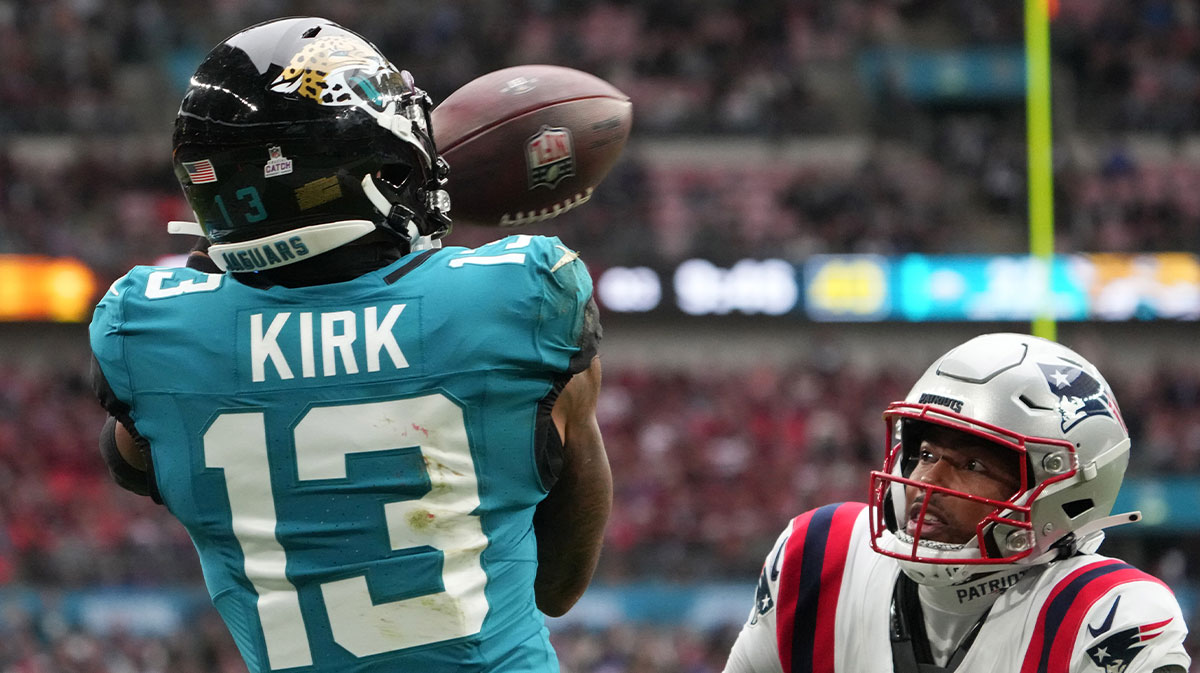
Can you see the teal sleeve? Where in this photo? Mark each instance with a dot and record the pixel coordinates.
(107, 337)
(568, 326)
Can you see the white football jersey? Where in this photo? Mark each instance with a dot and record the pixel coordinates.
(824, 600)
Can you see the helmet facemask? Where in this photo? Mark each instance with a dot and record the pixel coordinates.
(1002, 534)
(1017, 396)
(411, 198)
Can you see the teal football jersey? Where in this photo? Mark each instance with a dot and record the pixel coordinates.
(357, 463)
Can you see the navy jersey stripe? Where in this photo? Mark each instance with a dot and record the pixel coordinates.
(1056, 612)
(812, 563)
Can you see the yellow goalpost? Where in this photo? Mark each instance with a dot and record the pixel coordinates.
(1041, 154)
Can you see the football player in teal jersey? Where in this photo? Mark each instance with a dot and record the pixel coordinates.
(385, 451)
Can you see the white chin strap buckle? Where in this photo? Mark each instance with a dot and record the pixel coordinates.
(186, 228)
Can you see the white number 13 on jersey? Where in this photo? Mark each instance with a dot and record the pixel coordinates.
(324, 437)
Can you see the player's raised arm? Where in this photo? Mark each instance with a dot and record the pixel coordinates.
(569, 523)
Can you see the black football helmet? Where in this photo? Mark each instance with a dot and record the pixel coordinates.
(297, 136)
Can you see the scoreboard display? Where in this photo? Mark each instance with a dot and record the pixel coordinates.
(916, 288)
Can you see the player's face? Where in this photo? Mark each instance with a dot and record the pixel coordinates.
(962, 462)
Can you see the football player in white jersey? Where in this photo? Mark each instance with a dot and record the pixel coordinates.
(977, 549)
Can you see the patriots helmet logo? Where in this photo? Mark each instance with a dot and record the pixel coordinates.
(1116, 652)
(1079, 395)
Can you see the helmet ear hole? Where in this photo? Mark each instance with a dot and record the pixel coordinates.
(395, 174)
(1028, 401)
(992, 549)
(1077, 508)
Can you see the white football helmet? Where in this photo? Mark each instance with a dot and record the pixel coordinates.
(1037, 398)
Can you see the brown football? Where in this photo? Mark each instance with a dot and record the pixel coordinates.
(528, 143)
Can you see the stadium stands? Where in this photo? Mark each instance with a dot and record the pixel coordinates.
(755, 134)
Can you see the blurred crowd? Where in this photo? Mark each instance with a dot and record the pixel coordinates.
(786, 152)
(206, 647)
(708, 467)
(90, 88)
(895, 201)
(50, 645)
(706, 66)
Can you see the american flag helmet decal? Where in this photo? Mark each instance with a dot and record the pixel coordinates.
(200, 172)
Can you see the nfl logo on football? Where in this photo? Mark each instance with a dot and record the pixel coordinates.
(550, 157)
(277, 164)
